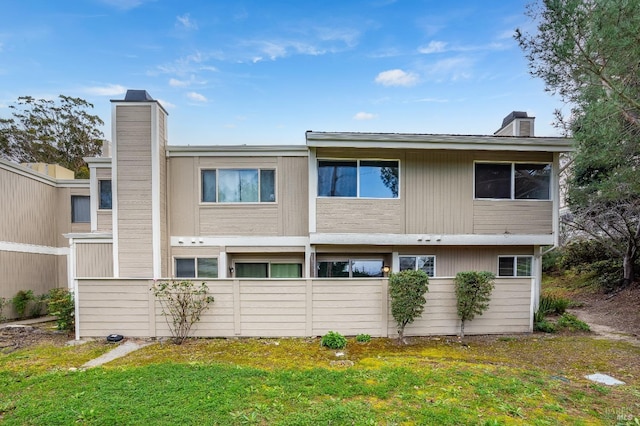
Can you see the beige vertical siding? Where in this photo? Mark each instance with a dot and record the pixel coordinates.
(31, 205)
(134, 190)
(439, 193)
(512, 217)
(288, 216)
(292, 176)
(27, 271)
(272, 308)
(184, 196)
(509, 310)
(115, 306)
(164, 227)
(94, 260)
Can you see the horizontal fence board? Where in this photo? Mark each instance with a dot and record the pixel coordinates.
(289, 308)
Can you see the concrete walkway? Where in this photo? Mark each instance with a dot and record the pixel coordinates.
(118, 352)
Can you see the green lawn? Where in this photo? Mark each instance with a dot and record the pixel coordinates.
(522, 380)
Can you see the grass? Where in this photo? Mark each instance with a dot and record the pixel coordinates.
(492, 381)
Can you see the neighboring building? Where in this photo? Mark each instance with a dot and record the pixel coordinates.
(298, 240)
(38, 204)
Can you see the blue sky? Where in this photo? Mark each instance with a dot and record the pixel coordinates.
(264, 72)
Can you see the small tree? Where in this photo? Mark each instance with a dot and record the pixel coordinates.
(61, 305)
(182, 304)
(473, 292)
(407, 290)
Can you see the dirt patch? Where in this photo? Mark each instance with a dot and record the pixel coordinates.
(615, 315)
(14, 337)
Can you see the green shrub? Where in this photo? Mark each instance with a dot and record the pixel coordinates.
(553, 305)
(3, 302)
(544, 326)
(363, 338)
(333, 340)
(407, 290)
(572, 322)
(581, 253)
(21, 300)
(183, 302)
(39, 303)
(473, 292)
(61, 306)
(551, 261)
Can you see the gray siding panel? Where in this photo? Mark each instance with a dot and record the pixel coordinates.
(94, 260)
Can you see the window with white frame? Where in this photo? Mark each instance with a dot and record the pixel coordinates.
(350, 268)
(358, 178)
(238, 185)
(104, 188)
(512, 181)
(515, 266)
(423, 263)
(198, 267)
(268, 270)
(80, 209)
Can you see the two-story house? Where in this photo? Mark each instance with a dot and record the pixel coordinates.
(299, 240)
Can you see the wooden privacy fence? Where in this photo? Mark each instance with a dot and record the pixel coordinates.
(295, 308)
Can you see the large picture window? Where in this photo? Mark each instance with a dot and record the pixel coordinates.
(238, 186)
(80, 209)
(515, 266)
(201, 267)
(423, 263)
(350, 268)
(513, 181)
(358, 178)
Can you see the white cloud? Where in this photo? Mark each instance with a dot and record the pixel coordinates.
(457, 68)
(166, 104)
(124, 4)
(433, 47)
(194, 96)
(362, 116)
(397, 77)
(178, 83)
(433, 100)
(185, 22)
(108, 90)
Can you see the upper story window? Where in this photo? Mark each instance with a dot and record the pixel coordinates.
(513, 181)
(104, 186)
(358, 178)
(423, 263)
(515, 266)
(80, 209)
(238, 186)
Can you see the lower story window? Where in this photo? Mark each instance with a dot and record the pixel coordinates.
(268, 270)
(201, 267)
(351, 268)
(423, 263)
(515, 266)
